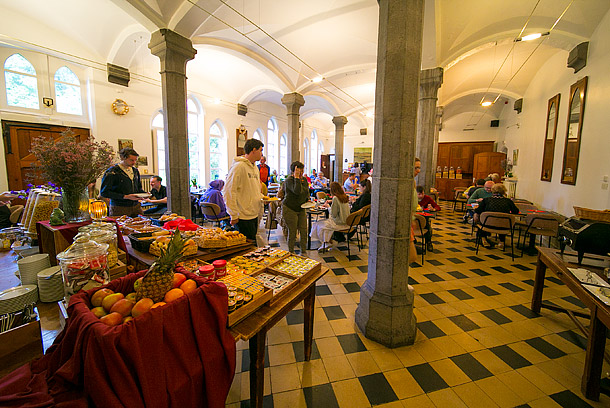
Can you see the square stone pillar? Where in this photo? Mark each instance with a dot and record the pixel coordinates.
(385, 313)
(174, 51)
(429, 82)
(293, 102)
(340, 122)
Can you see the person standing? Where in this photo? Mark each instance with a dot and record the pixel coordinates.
(159, 193)
(264, 170)
(296, 193)
(243, 189)
(121, 183)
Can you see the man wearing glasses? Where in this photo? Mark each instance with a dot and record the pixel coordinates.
(481, 193)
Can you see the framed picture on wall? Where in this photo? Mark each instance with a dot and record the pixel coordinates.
(125, 143)
(142, 161)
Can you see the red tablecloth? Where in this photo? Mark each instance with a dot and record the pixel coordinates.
(177, 355)
(69, 231)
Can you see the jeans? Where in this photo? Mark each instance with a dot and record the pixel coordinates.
(295, 221)
(248, 228)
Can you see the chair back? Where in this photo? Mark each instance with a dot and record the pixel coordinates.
(458, 193)
(546, 224)
(321, 195)
(498, 222)
(210, 210)
(353, 219)
(366, 212)
(419, 224)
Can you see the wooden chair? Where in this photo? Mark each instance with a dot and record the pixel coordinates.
(496, 223)
(538, 224)
(352, 222)
(210, 213)
(420, 230)
(271, 221)
(321, 195)
(458, 197)
(363, 228)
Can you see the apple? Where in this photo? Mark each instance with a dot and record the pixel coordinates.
(123, 306)
(96, 299)
(132, 297)
(110, 300)
(137, 283)
(112, 319)
(142, 307)
(99, 311)
(179, 279)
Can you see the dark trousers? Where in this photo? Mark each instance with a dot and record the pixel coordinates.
(248, 227)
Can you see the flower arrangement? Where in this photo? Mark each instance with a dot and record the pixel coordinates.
(72, 165)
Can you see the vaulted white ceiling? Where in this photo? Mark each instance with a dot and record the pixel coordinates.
(252, 50)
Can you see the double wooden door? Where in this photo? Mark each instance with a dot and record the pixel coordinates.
(20, 162)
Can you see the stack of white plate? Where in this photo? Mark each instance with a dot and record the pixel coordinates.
(50, 284)
(15, 299)
(30, 266)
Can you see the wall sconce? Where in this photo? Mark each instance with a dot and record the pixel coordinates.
(98, 210)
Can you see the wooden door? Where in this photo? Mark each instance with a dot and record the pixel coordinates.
(20, 162)
(325, 165)
(488, 163)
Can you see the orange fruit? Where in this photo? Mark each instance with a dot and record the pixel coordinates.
(158, 304)
(173, 294)
(188, 286)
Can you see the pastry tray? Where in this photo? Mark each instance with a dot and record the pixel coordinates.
(285, 290)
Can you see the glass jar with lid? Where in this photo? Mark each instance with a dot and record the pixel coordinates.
(103, 236)
(83, 265)
(29, 207)
(46, 202)
(8, 236)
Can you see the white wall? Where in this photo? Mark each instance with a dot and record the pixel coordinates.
(555, 77)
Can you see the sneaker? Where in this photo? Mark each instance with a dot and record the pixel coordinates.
(429, 247)
(501, 245)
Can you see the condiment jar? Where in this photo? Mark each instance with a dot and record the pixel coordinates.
(84, 265)
(103, 236)
(207, 271)
(220, 268)
(44, 206)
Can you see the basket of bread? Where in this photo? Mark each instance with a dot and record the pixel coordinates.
(130, 225)
(217, 238)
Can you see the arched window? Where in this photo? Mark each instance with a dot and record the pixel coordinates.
(283, 155)
(158, 129)
(218, 152)
(256, 135)
(21, 83)
(306, 155)
(196, 150)
(314, 151)
(67, 92)
(272, 144)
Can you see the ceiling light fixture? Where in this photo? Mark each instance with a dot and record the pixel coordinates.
(531, 37)
(486, 103)
(369, 114)
(317, 79)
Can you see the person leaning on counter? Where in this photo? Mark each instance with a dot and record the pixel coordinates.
(159, 194)
(121, 183)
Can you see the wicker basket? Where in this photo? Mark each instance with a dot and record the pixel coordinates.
(595, 215)
(141, 245)
(212, 243)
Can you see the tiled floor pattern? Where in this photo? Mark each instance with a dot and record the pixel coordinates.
(477, 345)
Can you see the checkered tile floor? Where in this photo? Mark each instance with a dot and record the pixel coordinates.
(478, 344)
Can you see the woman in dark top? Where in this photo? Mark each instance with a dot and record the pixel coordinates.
(296, 190)
(362, 201)
(498, 202)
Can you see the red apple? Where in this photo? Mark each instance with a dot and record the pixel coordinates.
(179, 279)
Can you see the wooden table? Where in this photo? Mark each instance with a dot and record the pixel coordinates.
(255, 327)
(143, 260)
(599, 315)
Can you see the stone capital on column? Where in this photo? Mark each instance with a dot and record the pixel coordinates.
(429, 82)
(293, 102)
(339, 121)
(172, 49)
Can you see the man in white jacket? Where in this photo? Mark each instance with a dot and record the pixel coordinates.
(243, 189)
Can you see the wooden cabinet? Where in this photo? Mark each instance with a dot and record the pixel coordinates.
(487, 163)
(458, 154)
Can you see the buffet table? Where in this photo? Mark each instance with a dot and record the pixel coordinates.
(599, 315)
(255, 327)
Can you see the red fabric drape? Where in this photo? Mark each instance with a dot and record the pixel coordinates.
(177, 355)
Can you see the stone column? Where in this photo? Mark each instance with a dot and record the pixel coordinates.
(385, 313)
(175, 51)
(340, 122)
(293, 102)
(438, 123)
(429, 82)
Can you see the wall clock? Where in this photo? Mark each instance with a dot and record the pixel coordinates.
(120, 107)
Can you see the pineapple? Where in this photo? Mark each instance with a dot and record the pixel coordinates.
(160, 276)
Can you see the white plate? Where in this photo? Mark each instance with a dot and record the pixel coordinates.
(308, 204)
(142, 195)
(17, 291)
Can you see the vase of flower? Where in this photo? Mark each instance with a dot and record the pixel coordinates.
(75, 203)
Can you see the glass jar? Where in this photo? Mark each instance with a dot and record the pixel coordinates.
(84, 229)
(8, 236)
(83, 265)
(45, 204)
(29, 207)
(103, 236)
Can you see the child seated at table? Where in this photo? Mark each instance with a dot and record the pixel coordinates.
(427, 204)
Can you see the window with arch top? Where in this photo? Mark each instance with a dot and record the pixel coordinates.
(272, 155)
(314, 151)
(67, 92)
(306, 155)
(195, 140)
(283, 155)
(218, 152)
(21, 82)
